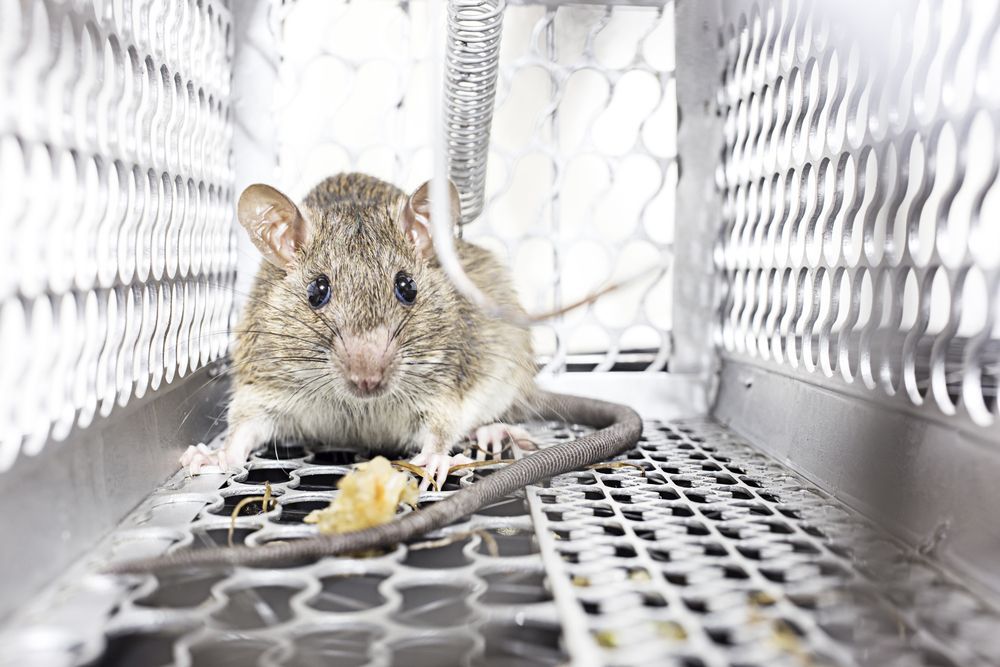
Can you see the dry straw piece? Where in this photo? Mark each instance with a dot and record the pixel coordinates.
(266, 505)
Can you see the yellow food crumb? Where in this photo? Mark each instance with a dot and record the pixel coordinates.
(787, 640)
(369, 496)
(614, 639)
(761, 599)
(606, 639)
(671, 630)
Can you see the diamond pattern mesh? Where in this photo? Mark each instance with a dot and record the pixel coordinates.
(693, 550)
(714, 554)
(860, 189)
(118, 253)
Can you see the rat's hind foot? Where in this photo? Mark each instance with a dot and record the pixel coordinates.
(490, 438)
(437, 466)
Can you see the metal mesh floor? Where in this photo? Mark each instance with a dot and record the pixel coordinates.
(701, 552)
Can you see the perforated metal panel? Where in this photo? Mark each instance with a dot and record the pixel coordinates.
(416, 604)
(582, 159)
(702, 551)
(714, 554)
(117, 254)
(860, 242)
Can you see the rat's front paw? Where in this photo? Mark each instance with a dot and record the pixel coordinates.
(490, 438)
(240, 441)
(436, 466)
(199, 459)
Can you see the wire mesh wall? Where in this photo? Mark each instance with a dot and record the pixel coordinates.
(119, 253)
(860, 240)
(582, 170)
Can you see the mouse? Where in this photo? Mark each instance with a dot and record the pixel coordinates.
(354, 336)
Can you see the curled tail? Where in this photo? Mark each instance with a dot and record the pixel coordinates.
(619, 428)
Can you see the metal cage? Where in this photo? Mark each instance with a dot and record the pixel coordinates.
(809, 192)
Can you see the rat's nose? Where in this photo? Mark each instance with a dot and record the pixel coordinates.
(367, 383)
(366, 360)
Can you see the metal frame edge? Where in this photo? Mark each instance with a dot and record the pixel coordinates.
(61, 502)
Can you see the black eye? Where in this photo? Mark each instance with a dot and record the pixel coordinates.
(318, 292)
(405, 288)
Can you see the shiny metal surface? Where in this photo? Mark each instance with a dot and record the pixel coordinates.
(715, 554)
(698, 551)
(117, 255)
(859, 179)
(858, 257)
(64, 500)
(442, 604)
(931, 484)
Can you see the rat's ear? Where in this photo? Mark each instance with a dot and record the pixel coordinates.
(415, 217)
(274, 223)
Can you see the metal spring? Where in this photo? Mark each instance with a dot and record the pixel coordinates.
(471, 66)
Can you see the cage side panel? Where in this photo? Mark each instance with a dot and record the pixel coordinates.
(118, 259)
(116, 266)
(859, 186)
(858, 260)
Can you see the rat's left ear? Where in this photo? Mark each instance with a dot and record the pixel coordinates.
(415, 217)
(274, 223)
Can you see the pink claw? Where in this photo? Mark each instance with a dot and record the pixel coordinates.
(490, 438)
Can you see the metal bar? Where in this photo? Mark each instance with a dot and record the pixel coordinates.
(256, 63)
(699, 143)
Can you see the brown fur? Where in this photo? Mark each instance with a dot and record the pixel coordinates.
(286, 374)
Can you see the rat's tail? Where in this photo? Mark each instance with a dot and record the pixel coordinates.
(619, 428)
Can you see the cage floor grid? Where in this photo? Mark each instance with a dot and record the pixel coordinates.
(694, 549)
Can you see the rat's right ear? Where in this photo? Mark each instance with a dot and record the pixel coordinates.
(415, 216)
(274, 223)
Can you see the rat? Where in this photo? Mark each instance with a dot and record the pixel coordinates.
(354, 336)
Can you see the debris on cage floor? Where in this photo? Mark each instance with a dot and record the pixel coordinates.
(702, 551)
